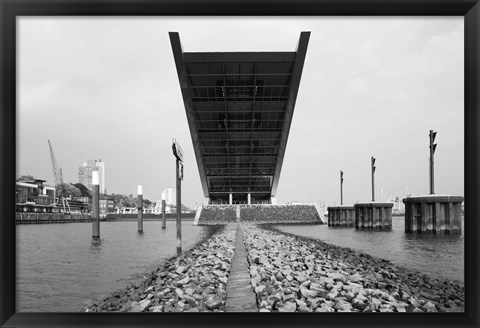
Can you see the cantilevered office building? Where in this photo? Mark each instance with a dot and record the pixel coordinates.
(239, 108)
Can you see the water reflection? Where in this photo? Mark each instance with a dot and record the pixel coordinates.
(96, 243)
(62, 264)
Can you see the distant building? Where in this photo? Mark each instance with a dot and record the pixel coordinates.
(170, 196)
(107, 205)
(83, 199)
(85, 173)
(398, 205)
(158, 207)
(34, 196)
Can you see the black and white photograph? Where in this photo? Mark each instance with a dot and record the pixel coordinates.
(240, 164)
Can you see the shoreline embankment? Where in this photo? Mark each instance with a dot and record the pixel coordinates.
(293, 273)
(194, 283)
(288, 273)
(43, 218)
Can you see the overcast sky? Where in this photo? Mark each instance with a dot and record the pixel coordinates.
(107, 88)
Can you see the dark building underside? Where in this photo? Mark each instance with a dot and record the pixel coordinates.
(239, 109)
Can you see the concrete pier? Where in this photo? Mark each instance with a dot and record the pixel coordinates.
(433, 214)
(341, 216)
(373, 215)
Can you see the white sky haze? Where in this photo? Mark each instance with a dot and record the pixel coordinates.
(107, 88)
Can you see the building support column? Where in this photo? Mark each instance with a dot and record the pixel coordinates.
(249, 199)
(230, 199)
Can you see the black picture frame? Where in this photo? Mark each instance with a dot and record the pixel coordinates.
(11, 9)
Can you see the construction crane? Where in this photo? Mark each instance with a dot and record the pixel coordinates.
(58, 177)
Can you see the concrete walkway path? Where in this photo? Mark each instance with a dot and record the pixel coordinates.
(240, 295)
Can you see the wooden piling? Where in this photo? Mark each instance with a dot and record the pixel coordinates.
(140, 209)
(164, 223)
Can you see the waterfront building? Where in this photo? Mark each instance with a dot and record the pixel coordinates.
(34, 196)
(85, 173)
(239, 108)
(107, 206)
(83, 199)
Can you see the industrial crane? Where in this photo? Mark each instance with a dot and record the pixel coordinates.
(58, 177)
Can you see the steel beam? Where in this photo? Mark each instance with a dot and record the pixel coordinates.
(292, 97)
(189, 108)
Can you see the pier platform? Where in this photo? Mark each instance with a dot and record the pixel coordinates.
(433, 214)
(341, 216)
(373, 215)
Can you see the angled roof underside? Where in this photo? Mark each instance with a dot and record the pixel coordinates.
(239, 108)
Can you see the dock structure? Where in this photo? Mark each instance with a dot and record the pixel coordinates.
(341, 216)
(373, 215)
(433, 214)
(239, 108)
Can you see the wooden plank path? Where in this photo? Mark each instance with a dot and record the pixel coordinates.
(240, 295)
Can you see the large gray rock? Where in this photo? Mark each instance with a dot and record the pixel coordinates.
(308, 293)
(302, 306)
(325, 308)
(332, 295)
(260, 290)
(359, 304)
(140, 306)
(179, 292)
(157, 308)
(190, 300)
(430, 296)
(223, 280)
(288, 307)
(429, 307)
(213, 302)
(181, 269)
(183, 281)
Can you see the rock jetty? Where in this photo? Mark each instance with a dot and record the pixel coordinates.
(294, 274)
(196, 283)
(288, 274)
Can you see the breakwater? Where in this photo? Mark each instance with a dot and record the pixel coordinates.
(288, 274)
(196, 283)
(280, 214)
(440, 256)
(32, 218)
(297, 274)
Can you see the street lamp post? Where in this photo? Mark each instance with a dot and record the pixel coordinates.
(373, 179)
(178, 153)
(433, 146)
(341, 187)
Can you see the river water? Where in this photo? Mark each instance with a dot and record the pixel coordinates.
(440, 256)
(60, 270)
